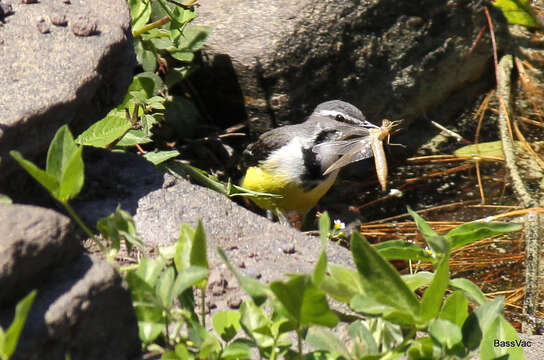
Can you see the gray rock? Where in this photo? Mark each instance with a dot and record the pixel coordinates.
(393, 59)
(55, 78)
(34, 241)
(161, 203)
(82, 311)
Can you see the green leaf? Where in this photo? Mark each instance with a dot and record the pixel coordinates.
(198, 256)
(321, 264)
(402, 250)
(10, 338)
(253, 287)
(322, 339)
(182, 258)
(72, 178)
(418, 280)
(306, 304)
(149, 331)
(518, 12)
(117, 226)
(106, 131)
(65, 163)
(455, 308)
(478, 322)
(180, 17)
(187, 278)
(474, 231)
(158, 157)
(4, 199)
(48, 181)
(445, 332)
(369, 306)
(183, 55)
(501, 341)
(489, 149)
(432, 298)
(164, 287)
(342, 284)
(149, 270)
(227, 324)
(380, 279)
(470, 289)
(194, 37)
(236, 350)
(140, 12)
(436, 242)
(363, 341)
(60, 152)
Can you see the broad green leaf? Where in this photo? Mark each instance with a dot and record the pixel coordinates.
(417, 280)
(194, 37)
(164, 287)
(369, 306)
(321, 264)
(423, 348)
(253, 287)
(470, 289)
(183, 55)
(150, 270)
(363, 341)
(106, 131)
(181, 17)
(11, 336)
(518, 12)
(227, 324)
(490, 149)
(445, 332)
(182, 257)
(305, 304)
(140, 12)
(479, 321)
(474, 231)
(322, 339)
(158, 157)
(235, 351)
(501, 341)
(119, 225)
(402, 250)
(342, 283)
(47, 180)
(4, 199)
(380, 279)
(187, 278)
(73, 176)
(61, 150)
(436, 242)
(432, 298)
(198, 256)
(455, 308)
(149, 331)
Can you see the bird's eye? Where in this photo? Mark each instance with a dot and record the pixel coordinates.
(340, 118)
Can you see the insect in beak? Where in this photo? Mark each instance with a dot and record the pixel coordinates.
(360, 148)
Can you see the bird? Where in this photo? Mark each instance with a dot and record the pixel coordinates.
(301, 162)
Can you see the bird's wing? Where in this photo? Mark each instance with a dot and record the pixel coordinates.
(267, 142)
(340, 147)
(360, 150)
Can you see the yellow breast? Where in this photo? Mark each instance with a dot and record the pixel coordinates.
(294, 196)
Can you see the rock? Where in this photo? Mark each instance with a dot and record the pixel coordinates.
(34, 241)
(57, 78)
(393, 59)
(161, 203)
(82, 311)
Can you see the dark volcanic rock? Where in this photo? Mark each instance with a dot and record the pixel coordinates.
(83, 311)
(33, 241)
(54, 78)
(393, 59)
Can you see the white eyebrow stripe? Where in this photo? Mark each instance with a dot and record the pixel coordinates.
(333, 113)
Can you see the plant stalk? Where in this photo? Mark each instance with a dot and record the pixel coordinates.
(81, 224)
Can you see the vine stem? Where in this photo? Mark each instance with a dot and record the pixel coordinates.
(203, 306)
(81, 224)
(150, 26)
